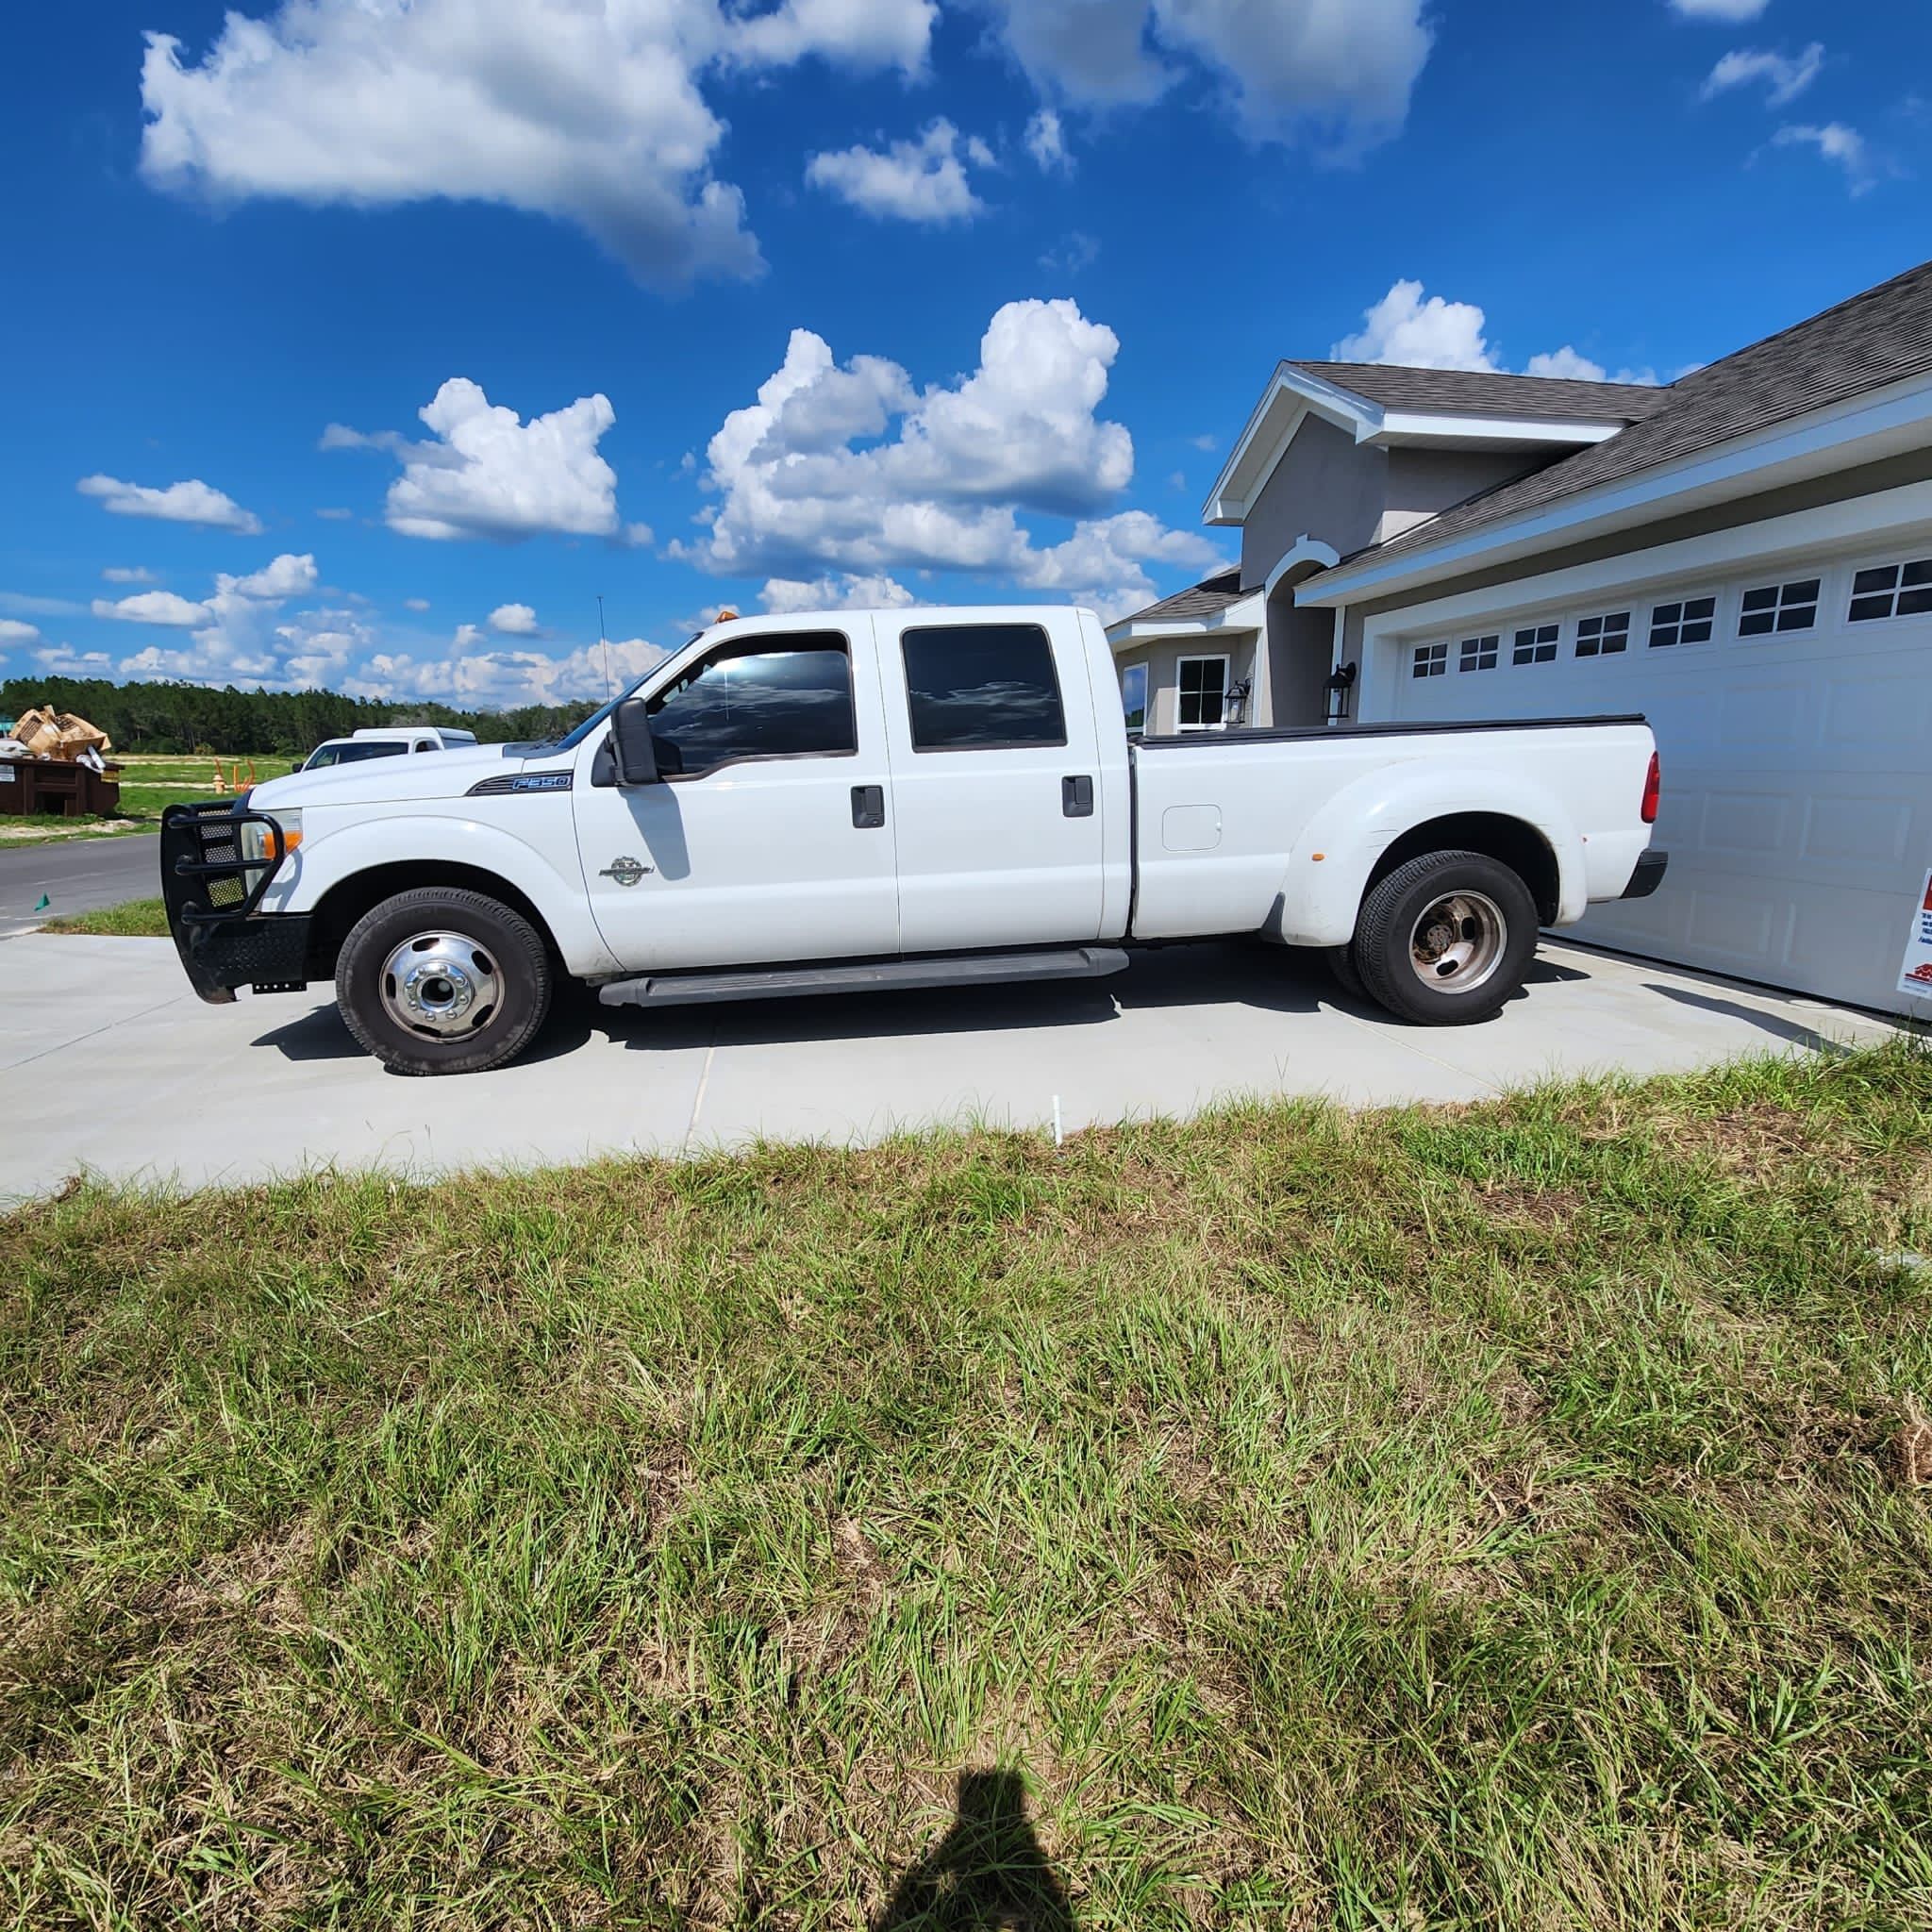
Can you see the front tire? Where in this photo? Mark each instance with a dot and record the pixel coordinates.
(441, 980)
(1446, 938)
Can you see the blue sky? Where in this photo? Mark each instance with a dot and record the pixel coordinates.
(1008, 273)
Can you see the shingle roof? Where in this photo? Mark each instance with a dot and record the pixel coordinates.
(1203, 599)
(1479, 392)
(1880, 337)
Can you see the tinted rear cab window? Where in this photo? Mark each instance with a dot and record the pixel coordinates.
(978, 686)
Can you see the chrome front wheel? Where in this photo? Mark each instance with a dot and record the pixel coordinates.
(440, 980)
(442, 985)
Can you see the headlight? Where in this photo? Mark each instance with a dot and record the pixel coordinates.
(258, 844)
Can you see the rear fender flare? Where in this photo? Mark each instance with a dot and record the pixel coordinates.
(1336, 854)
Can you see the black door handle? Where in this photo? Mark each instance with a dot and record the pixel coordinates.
(1076, 797)
(868, 806)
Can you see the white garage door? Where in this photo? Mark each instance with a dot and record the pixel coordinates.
(1794, 712)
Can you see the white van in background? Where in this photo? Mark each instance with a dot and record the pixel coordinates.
(385, 742)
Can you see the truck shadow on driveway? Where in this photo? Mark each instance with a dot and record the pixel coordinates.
(1254, 975)
(1264, 978)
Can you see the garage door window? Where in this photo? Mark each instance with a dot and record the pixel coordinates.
(1687, 622)
(1479, 654)
(1535, 645)
(1603, 637)
(1892, 589)
(1430, 660)
(1780, 607)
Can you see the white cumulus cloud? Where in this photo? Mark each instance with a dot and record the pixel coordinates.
(122, 573)
(474, 672)
(1785, 76)
(852, 469)
(191, 502)
(153, 606)
(923, 180)
(844, 592)
(590, 111)
(1340, 71)
(1730, 11)
(12, 631)
(1417, 331)
(514, 619)
(287, 577)
(486, 473)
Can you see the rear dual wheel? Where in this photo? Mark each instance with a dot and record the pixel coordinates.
(441, 980)
(1444, 941)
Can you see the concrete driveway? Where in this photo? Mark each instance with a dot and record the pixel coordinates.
(109, 1064)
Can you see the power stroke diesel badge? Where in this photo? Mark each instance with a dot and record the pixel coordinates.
(625, 871)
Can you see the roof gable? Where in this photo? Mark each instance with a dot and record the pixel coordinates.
(1490, 392)
(1873, 339)
(1444, 407)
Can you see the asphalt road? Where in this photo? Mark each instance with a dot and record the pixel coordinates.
(73, 876)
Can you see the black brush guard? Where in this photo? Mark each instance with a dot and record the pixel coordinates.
(212, 890)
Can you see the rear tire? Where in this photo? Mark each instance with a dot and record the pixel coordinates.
(1342, 963)
(1445, 940)
(441, 980)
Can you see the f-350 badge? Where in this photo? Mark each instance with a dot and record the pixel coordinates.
(625, 871)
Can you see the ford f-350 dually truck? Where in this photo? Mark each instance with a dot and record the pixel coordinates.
(888, 799)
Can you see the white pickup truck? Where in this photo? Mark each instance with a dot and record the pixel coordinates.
(898, 798)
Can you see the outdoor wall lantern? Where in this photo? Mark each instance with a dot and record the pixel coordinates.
(1340, 682)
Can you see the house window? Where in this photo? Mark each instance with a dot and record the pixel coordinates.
(1202, 694)
(1133, 697)
(1430, 660)
(1780, 607)
(1892, 589)
(1687, 622)
(1603, 637)
(1479, 654)
(1535, 645)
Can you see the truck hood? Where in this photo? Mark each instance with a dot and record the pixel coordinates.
(415, 776)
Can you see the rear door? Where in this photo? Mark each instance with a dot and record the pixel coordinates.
(995, 770)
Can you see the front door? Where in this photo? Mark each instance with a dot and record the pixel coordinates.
(996, 790)
(767, 839)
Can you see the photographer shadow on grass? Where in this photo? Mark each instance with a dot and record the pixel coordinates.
(990, 1870)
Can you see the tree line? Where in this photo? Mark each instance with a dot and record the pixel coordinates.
(193, 717)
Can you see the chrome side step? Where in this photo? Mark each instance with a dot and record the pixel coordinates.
(875, 976)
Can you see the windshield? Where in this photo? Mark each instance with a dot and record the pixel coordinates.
(350, 753)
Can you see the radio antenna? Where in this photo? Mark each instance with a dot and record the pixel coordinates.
(605, 642)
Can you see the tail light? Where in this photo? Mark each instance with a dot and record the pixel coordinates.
(1653, 786)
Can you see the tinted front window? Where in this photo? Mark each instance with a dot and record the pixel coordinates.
(351, 754)
(982, 684)
(778, 697)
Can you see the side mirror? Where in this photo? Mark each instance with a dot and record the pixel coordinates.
(630, 739)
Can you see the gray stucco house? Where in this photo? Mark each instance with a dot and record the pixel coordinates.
(1744, 556)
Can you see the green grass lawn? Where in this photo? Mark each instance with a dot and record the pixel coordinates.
(1488, 1518)
(148, 785)
(135, 919)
